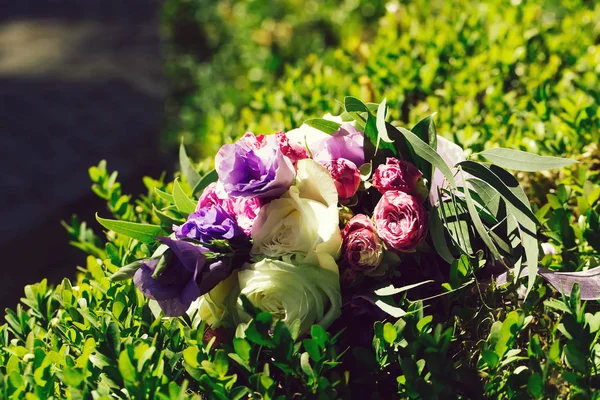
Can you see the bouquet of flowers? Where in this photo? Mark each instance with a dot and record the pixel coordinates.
(343, 216)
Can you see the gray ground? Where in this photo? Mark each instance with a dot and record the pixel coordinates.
(80, 80)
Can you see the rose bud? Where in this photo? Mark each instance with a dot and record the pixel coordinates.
(399, 175)
(219, 333)
(401, 220)
(346, 177)
(362, 248)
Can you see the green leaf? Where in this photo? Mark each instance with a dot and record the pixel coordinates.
(523, 161)
(389, 333)
(487, 175)
(430, 155)
(390, 290)
(242, 348)
(113, 337)
(535, 385)
(437, 235)
(166, 219)
(210, 177)
(479, 227)
(165, 196)
(142, 232)
(187, 170)
(183, 203)
(352, 104)
(305, 365)
(323, 125)
(126, 367)
(382, 133)
(127, 271)
(425, 130)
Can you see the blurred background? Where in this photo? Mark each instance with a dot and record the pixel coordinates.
(126, 81)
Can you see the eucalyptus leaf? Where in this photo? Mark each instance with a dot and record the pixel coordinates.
(390, 290)
(165, 196)
(479, 227)
(382, 133)
(323, 125)
(352, 104)
(437, 235)
(425, 130)
(588, 281)
(524, 161)
(430, 155)
(487, 175)
(142, 232)
(187, 170)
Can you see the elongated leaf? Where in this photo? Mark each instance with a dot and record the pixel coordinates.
(489, 195)
(589, 282)
(479, 227)
(527, 228)
(164, 218)
(142, 232)
(352, 104)
(425, 130)
(210, 177)
(391, 309)
(523, 161)
(425, 151)
(487, 175)
(378, 156)
(323, 125)
(390, 290)
(437, 235)
(165, 196)
(401, 146)
(380, 122)
(187, 170)
(183, 203)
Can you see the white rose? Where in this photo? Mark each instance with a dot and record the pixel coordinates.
(212, 305)
(302, 225)
(304, 293)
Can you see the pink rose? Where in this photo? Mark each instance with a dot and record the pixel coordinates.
(245, 211)
(293, 150)
(346, 177)
(401, 220)
(362, 248)
(213, 194)
(399, 175)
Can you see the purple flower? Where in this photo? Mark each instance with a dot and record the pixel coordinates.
(210, 223)
(346, 143)
(188, 275)
(254, 168)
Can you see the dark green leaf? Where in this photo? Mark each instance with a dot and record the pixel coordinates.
(352, 104)
(437, 235)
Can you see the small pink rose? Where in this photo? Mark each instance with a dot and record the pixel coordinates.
(245, 211)
(293, 150)
(361, 247)
(401, 220)
(399, 175)
(346, 177)
(213, 194)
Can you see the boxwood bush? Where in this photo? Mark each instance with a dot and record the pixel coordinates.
(522, 74)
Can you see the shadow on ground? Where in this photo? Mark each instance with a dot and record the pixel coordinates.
(80, 81)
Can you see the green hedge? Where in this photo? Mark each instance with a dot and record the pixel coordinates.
(523, 76)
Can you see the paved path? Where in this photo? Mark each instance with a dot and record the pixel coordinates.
(80, 80)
